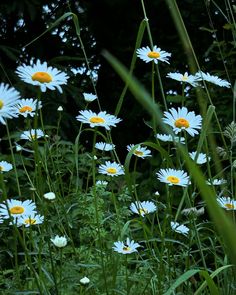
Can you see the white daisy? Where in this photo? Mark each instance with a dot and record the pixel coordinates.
(226, 203)
(101, 119)
(28, 106)
(84, 281)
(103, 146)
(112, 169)
(184, 78)
(59, 241)
(5, 166)
(41, 75)
(28, 220)
(181, 119)
(212, 79)
(168, 137)
(15, 208)
(179, 228)
(32, 134)
(216, 181)
(173, 177)
(156, 54)
(89, 97)
(201, 158)
(141, 152)
(101, 183)
(49, 196)
(9, 98)
(143, 208)
(126, 248)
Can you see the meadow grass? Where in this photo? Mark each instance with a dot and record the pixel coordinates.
(79, 221)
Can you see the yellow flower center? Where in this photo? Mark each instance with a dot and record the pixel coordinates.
(97, 120)
(173, 179)
(185, 77)
(142, 211)
(25, 109)
(126, 248)
(1, 104)
(17, 210)
(1, 168)
(153, 54)
(181, 122)
(111, 170)
(138, 153)
(42, 77)
(229, 206)
(30, 221)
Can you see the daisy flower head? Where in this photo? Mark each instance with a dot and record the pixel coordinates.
(32, 135)
(168, 137)
(40, 74)
(9, 98)
(84, 281)
(184, 78)
(103, 146)
(59, 242)
(141, 152)
(126, 248)
(89, 97)
(28, 106)
(226, 203)
(155, 54)
(212, 79)
(216, 181)
(101, 119)
(179, 228)
(173, 177)
(181, 119)
(201, 158)
(29, 220)
(49, 196)
(112, 169)
(16, 208)
(143, 208)
(101, 183)
(5, 166)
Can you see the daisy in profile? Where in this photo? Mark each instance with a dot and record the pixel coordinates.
(226, 203)
(9, 98)
(28, 106)
(168, 137)
(143, 208)
(89, 97)
(101, 183)
(101, 119)
(141, 152)
(32, 135)
(112, 169)
(40, 74)
(103, 146)
(16, 209)
(201, 158)
(126, 248)
(5, 166)
(184, 78)
(155, 54)
(59, 241)
(181, 119)
(28, 220)
(216, 181)
(173, 177)
(179, 228)
(212, 79)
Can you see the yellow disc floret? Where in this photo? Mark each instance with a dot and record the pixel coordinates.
(181, 122)
(1, 104)
(17, 210)
(42, 77)
(173, 179)
(25, 109)
(153, 54)
(111, 170)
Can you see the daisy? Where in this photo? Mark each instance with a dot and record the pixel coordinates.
(168, 137)
(49, 196)
(181, 119)
(141, 152)
(101, 183)
(5, 166)
(173, 177)
(31, 135)
(143, 208)
(41, 75)
(15, 208)
(9, 98)
(156, 54)
(59, 241)
(28, 220)
(101, 119)
(184, 78)
(103, 146)
(89, 97)
(226, 203)
(28, 106)
(126, 248)
(179, 228)
(201, 158)
(212, 79)
(112, 169)
(216, 181)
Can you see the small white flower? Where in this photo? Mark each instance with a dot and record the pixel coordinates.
(29, 220)
(143, 208)
(201, 158)
(126, 248)
(173, 177)
(212, 79)
(84, 281)
(179, 228)
(28, 106)
(31, 135)
(89, 97)
(186, 78)
(216, 181)
(156, 54)
(5, 166)
(103, 146)
(60, 109)
(168, 137)
(101, 183)
(157, 193)
(49, 196)
(141, 152)
(59, 241)
(112, 169)
(226, 203)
